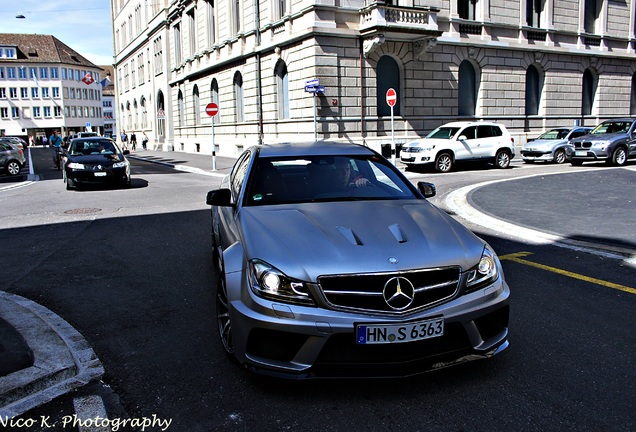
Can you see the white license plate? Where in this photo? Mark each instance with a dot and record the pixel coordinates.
(368, 334)
(580, 153)
(100, 174)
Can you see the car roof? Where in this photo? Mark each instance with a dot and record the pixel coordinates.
(624, 119)
(471, 123)
(92, 138)
(318, 148)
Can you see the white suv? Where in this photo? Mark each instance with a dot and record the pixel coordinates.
(461, 141)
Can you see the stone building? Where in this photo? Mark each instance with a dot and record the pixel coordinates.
(46, 85)
(531, 64)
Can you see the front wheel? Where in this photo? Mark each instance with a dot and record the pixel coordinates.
(502, 159)
(443, 162)
(619, 157)
(223, 320)
(559, 156)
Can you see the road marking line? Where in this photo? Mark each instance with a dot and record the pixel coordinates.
(517, 257)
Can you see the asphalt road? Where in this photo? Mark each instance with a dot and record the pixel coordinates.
(135, 278)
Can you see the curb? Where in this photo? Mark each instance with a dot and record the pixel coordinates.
(63, 359)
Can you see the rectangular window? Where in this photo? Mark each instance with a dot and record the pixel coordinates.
(15, 112)
(192, 33)
(47, 111)
(45, 92)
(24, 92)
(73, 111)
(11, 73)
(54, 73)
(57, 111)
(56, 92)
(4, 112)
(36, 112)
(2, 76)
(177, 44)
(22, 73)
(33, 73)
(13, 93)
(72, 93)
(64, 73)
(3, 93)
(35, 93)
(44, 73)
(467, 9)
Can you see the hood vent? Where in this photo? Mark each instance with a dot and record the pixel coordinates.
(350, 236)
(398, 233)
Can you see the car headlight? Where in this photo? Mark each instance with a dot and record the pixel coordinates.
(75, 165)
(484, 273)
(120, 164)
(269, 282)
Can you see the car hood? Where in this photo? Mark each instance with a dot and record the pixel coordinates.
(428, 142)
(601, 137)
(105, 159)
(309, 240)
(543, 143)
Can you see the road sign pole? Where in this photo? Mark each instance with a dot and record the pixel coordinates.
(213, 148)
(392, 138)
(315, 121)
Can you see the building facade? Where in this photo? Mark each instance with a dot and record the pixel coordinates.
(295, 70)
(109, 101)
(45, 85)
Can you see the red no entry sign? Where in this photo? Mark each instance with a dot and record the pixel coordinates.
(391, 97)
(211, 109)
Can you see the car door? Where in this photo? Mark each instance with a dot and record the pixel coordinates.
(486, 142)
(225, 224)
(465, 144)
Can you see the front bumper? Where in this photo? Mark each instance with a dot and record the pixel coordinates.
(309, 342)
(417, 158)
(91, 176)
(537, 156)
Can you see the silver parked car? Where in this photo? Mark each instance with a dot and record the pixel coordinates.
(552, 145)
(11, 157)
(331, 263)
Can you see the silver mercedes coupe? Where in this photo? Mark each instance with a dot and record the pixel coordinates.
(332, 264)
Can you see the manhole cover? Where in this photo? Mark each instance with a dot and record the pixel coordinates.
(82, 211)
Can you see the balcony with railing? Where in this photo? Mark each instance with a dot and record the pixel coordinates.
(398, 19)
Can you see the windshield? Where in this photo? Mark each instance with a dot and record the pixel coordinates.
(612, 127)
(323, 178)
(555, 134)
(81, 147)
(443, 132)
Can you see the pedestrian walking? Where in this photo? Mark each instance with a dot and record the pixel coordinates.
(133, 141)
(124, 140)
(144, 140)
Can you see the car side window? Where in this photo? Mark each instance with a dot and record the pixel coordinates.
(238, 174)
(470, 132)
(577, 134)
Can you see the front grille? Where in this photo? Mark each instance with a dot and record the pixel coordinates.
(583, 145)
(364, 292)
(532, 153)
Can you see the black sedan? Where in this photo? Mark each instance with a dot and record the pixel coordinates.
(95, 160)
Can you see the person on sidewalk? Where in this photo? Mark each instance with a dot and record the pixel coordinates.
(133, 141)
(144, 140)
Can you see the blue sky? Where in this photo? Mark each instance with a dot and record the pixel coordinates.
(85, 26)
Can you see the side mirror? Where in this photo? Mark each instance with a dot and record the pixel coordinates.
(462, 138)
(126, 152)
(219, 198)
(427, 189)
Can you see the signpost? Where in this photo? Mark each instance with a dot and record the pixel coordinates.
(212, 109)
(391, 100)
(313, 86)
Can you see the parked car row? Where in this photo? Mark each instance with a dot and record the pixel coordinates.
(613, 141)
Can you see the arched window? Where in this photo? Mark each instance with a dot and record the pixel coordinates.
(467, 89)
(533, 90)
(197, 105)
(282, 90)
(388, 77)
(214, 89)
(632, 102)
(161, 116)
(144, 113)
(180, 109)
(135, 115)
(590, 83)
(239, 115)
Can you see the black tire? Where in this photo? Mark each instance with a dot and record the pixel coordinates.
(444, 162)
(559, 156)
(13, 167)
(502, 159)
(619, 156)
(223, 320)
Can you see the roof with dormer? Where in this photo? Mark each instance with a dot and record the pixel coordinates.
(34, 48)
